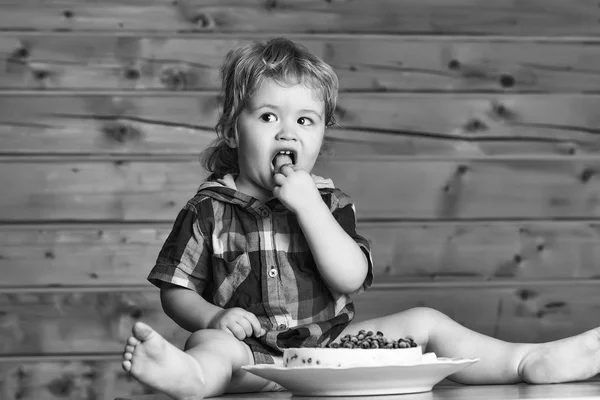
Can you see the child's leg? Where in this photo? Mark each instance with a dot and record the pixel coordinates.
(574, 358)
(238, 380)
(210, 365)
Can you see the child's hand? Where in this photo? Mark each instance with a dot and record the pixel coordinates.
(237, 321)
(295, 189)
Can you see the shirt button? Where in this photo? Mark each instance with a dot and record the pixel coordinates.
(273, 272)
(282, 327)
(264, 213)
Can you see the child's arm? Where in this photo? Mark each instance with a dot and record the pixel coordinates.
(186, 307)
(192, 312)
(340, 260)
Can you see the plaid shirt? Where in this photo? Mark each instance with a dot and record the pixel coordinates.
(237, 251)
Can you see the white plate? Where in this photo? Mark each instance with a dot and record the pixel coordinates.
(361, 381)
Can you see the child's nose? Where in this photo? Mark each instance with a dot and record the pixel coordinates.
(287, 132)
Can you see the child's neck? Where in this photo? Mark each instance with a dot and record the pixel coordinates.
(254, 191)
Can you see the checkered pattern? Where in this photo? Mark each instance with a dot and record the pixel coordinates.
(239, 252)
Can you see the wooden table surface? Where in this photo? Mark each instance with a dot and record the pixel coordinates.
(579, 390)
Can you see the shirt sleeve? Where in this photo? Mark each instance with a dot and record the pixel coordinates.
(184, 259)
(344, 212)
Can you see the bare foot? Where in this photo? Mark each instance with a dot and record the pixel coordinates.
(572, 359)
(152, 360)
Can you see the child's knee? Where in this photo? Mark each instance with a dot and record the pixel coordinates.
(416, 316)
(426, 313)
(211, 336)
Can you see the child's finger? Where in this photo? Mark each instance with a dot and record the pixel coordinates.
(246, 326)
(286, 169)
(279, 179)
(237, 331)
(256, 328)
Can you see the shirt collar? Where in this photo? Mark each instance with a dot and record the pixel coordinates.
(224, 189)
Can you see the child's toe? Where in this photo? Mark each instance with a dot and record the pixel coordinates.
(142, 331)
(132, 341)
(126, 365)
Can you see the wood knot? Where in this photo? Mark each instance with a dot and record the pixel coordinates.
(203, 21)
(131, 73)
(20, 53)
(586, 175)
(21, 373)
(91, 374)
(462, 169)
(571, 149)
(453, 64)
(40, 74)
(540, 247)
(270, 4)
(174, 78)
(526, 294)
(507, 81)
(68, 14)
(61, 387)
(555, 304)
(475, 125)
(121, 133)
(501, 110)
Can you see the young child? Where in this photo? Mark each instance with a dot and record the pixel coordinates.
(265, 256)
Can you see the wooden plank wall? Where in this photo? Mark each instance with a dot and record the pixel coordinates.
(469, 137)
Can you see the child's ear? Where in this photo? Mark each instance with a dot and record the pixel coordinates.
(230, 137)
(231, 142)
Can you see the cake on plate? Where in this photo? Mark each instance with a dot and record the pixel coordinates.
(363, 349)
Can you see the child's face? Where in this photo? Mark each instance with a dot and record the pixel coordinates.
(278, 118)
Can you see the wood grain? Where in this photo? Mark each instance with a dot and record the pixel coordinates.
(175, 62)
(156, 191)
(444, 253)
(67, 379)
(79, 321)
(468, 137)
(441, 125)
(504, 17)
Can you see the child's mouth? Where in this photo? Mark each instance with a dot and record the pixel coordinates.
(282, 158)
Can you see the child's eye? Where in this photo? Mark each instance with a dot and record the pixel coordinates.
(268, 117)
(305, 121)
